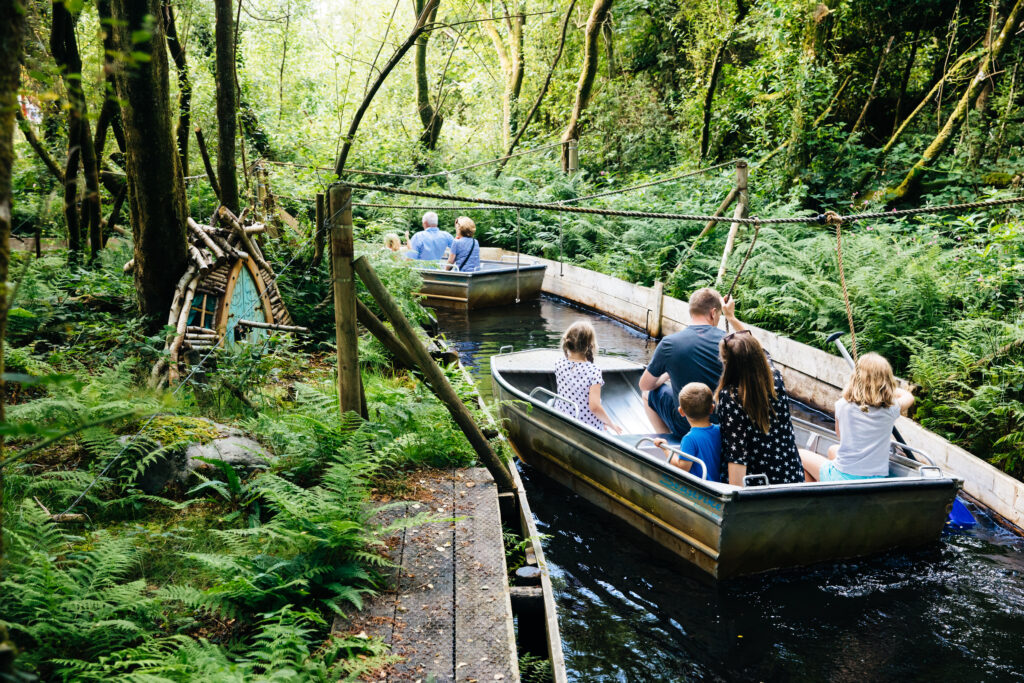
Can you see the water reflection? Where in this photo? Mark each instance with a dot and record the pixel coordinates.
(629, 611)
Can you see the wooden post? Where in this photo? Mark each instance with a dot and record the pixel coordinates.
(574, 157)
(654, 322)
(386, 337)
(349, 379)
(318, 230)
(436, 378)
(740, 212)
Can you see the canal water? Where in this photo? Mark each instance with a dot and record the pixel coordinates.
(629, 611)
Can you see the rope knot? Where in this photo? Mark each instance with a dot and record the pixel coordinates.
(832, 218)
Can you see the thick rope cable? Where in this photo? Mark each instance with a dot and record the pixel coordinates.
(836, 220)
(792, 220)
(652, 183)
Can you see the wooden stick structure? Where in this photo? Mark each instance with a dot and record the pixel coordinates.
(344, 287)
(273, 326)
(710, 225)
(386, 337)
(435, 377)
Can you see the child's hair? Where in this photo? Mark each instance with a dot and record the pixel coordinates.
(872, 383)
(745, 370)
(392, 242)
(580, 338)
(696, 400)
(465, 225)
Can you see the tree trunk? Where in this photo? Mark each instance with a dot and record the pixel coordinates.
(511, 59)
(64, 47)
(1006, 112)
(874, 87)
(598, 13)
(12, 29)
(227, 103)
(184, 129)
(432, 120)
(816, 39)
(716, 70)
(905, 81)
(983, 121)
(608, 36)
(157, 189)
(939, 144)
(542, 93)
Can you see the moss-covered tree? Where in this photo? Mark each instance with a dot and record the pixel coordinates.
(157, 187)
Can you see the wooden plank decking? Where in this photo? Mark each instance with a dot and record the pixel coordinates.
(448, 615)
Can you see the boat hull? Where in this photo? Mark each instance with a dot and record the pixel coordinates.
(496, 284)
(723, 530)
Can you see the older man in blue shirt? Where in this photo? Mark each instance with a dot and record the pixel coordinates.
(430, 243)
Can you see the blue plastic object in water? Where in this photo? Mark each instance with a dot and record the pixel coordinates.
(959, 516)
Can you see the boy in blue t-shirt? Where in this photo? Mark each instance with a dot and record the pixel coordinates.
(704, 440)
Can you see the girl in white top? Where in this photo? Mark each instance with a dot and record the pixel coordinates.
(580, 380)
(865, 416)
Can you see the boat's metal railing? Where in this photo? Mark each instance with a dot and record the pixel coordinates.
(676, 451)
(752, 479)
(502, 350)
(552, 394)
(895, 447)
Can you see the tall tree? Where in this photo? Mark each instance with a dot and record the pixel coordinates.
(956, 117)
(177, 48)
(429, 116)
(64, 47)
(716, 70)
(156, 194)
(510, 54)
(12, 29)
(598, 14)
(227, 102)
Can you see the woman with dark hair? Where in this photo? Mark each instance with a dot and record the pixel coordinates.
(753, 409)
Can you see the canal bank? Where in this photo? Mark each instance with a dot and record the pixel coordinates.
(630, 611)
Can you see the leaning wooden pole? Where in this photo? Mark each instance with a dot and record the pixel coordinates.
(385, 336)
(339, 203)
(709, 226)
(438, 382)
(741, 212)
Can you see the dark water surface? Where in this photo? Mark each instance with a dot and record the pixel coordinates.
(629, 611)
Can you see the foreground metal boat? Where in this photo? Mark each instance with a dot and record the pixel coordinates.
(725, 530)
(497, 283)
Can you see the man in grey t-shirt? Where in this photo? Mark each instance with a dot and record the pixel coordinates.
(690, 355)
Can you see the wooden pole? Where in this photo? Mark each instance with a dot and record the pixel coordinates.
(436, 378)
(318, 230)
(340, 207)
(386, 337)
(654, 322)
(740, 212)
(710, 225)
(574, 157)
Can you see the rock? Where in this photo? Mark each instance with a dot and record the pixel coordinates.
(176, 467)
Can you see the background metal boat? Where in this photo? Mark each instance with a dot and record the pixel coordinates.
(725, 530)
(497, 283)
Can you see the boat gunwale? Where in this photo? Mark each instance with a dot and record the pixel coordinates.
(479, 274)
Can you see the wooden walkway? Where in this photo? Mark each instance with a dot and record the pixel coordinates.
(449, 613)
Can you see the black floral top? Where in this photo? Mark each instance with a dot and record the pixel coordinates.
(773, 454)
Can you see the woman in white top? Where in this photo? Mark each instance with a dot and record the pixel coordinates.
(580, 380)
(865, 416)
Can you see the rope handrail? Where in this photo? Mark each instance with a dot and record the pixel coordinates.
(819, 219)
(652, 183)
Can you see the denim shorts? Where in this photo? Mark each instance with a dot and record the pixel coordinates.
(829, 472)
(665, 403)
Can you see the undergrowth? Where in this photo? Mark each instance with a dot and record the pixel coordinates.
(238, 574)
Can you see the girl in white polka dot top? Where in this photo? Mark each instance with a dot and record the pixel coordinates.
(579, 380)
